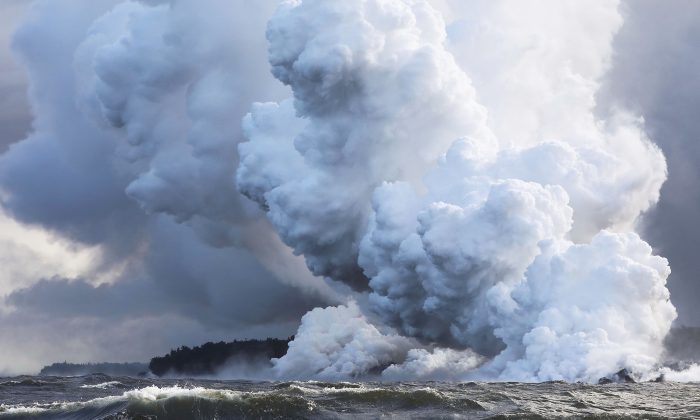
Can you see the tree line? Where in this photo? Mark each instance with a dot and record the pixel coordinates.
(210, 357)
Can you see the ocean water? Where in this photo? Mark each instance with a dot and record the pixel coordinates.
(105, 397)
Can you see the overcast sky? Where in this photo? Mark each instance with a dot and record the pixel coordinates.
(96, 277)
(89, 272)
(15, 116)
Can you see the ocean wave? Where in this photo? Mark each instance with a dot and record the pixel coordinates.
(282, 401)
(396, 397)
(25, 382)
(166, 402)
(103, 385)
(289, 400)
(18, 410)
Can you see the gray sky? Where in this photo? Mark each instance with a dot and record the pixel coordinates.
(87, 274)
(15, 117)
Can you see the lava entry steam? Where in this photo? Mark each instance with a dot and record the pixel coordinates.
(513, 240)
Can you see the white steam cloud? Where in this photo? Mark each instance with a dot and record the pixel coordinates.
(502, 225)
(339, 342)
(169, 82)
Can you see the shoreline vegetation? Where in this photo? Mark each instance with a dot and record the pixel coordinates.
(80, 369)
(204, 360)
(210, 358)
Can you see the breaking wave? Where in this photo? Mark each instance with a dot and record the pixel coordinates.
(312, 399)
(173, 402)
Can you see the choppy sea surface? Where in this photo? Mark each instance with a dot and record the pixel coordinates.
(105, 397)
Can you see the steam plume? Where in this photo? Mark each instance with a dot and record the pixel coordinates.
(387, 172)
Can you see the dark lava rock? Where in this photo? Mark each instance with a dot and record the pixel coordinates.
(660, 378)
(622, 376)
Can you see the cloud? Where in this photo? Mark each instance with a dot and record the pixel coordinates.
(183, 294)
(15, 118)
(133, 158)
(310, 163)
(339, 342)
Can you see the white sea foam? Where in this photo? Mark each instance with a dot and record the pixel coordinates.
(9, 409)
(102, 385)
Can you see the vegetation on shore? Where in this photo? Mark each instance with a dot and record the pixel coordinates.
(209, 358)
(79, 369)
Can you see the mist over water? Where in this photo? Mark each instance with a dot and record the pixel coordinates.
(430, 186)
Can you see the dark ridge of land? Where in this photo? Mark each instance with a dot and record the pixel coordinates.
(80, 369)
(209, 358)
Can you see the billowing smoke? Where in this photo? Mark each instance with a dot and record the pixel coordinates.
(339, 342)
(440, 190)
(358, 97)
(132, 155)
(510, 233)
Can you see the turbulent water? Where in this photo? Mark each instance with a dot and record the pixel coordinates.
(104, 397)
